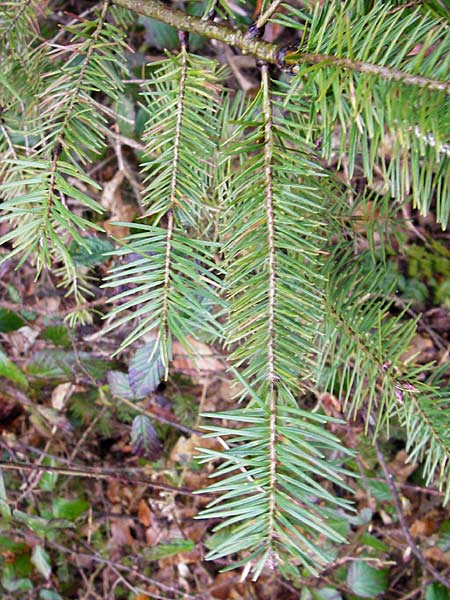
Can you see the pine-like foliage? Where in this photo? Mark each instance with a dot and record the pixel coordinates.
(363, 364)
(174, 276)
(383, 87)
(64, 122)
(273, 227)
(243, 235)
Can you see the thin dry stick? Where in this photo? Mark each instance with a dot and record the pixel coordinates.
(37, 474)
(401, 517)
(48, 313)
(115, 566)
(92, 473)
(91, 426)
(157, 417)
(265, 16)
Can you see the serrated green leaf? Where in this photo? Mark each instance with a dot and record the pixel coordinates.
(159, 35)
(37, 524)
(17, 585)
(170, 548)
(126, 115)
(119, 385)
(144, 439)
(49, 595)
(41, 560)
(366, 581)
(57, 335)
(11, 371)
(10, 321)
(5, 509)
(63, 508)
(436, 591)
(60, 364)
(92, 252)
(146, 369)
(48, 480)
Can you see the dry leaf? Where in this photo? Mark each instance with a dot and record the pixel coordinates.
(400, 468)
(420, 347)
(202, 362)
(144, 513)
(186, 448)
(120, 533)
(436, 554)
(120, 211)
(226, 586)
(22, 339)
(423, 527)
(61, 395)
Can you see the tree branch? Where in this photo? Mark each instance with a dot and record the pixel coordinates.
(92, 473)
(265, 51)
(403, 524)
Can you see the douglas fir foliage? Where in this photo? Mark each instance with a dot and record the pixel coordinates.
(246, 240)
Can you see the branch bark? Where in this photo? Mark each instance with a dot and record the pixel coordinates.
(268, 52)
(92, 473)
(402, 520)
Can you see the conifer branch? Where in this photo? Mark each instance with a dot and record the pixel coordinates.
(401, 517)
(268, 151)
(173, 190)
(369, 363)
(272, 53)
(174, 278)
(272, 377)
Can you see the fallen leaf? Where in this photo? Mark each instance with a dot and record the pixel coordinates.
(436, 554)
(421, 348)
(61, 395)
(226, 586)
(426, 526)
(201, 361)
(120, 533)
(120, 211)
(186, 448)
(400, 468)
(144, 513)
(22, 339)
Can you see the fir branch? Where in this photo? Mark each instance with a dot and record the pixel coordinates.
(363, 365)
(175, 277)
(74, 91)
(65, 132)
(173, 190)
(377, 119)
(272, 231)
(272, 269)
(272, 53)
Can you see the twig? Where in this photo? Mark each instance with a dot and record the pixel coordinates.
(265, 16)
(47, 313)
(126, 141)
(401, 518)
(268, 52)
(116, 566)
(157, 417)
(93, 473)
(91, 426)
